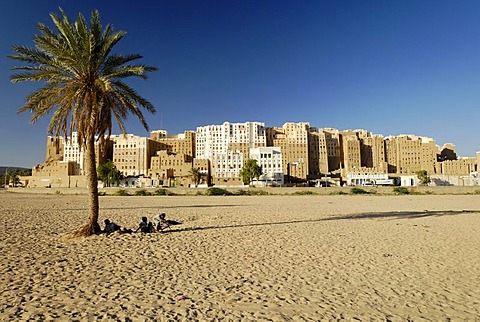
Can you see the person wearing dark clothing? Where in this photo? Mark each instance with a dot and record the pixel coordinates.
(145, 226)
(111, 227)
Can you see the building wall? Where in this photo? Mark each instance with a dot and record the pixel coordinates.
(203, 165)
(54, 149)
(409, 154)
(227, 146)
(56, 174)
(292, 139)
(350, 151)
(462, 166)
(171, 168)
(183, 143)
(391, 157)
(429, 155)
(270, 159)
(317, 153)
(73, 152)
(373, 152)
(132, 154)
(227, 164)
(447, 152)
(332, 137)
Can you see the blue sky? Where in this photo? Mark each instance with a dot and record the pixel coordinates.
(390, 67)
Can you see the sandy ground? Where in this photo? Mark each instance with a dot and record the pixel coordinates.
(264, 258)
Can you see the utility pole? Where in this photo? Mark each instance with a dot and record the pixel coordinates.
(5, 184)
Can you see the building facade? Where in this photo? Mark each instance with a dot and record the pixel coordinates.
(227, 146)
(132, 154)
(292, 139)
(271, 161)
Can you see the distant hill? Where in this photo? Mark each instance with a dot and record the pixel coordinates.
(3, 168)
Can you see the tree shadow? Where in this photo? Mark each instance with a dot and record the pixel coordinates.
(403, 214)
(374, 215)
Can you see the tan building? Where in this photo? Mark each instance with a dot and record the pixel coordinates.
(203, 166)
(170, 169)
(64, 163)
(54, 151)
(373, 153)
(132, 154)
(429, 155)
(462, 166)
(292, 139)
(447, 152)
(333, 146)
(174, 169)
(350, 151)
(391, 156)
(56, 174)
(317, 153)
(183, 143)
(408, 154)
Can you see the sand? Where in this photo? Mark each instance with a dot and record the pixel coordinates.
(250, 258)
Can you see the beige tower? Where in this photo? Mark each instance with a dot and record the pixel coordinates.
(429, 155)
(373, 153)
(183, 143)
(317, 154)
(54, 151)
(131, 154)
(391, 154)
(292, 139)
(350, 151)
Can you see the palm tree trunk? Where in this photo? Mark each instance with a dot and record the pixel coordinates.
(92, 227)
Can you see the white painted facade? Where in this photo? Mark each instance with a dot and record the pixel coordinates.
(270, 159)
(227, 164)
(213, 141)
(362, 179)
(72, 152)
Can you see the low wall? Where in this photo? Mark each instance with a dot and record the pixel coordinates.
(270, 190)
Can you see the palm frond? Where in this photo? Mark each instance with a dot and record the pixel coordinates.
(83, 90)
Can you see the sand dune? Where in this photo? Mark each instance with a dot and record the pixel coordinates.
(266, 258)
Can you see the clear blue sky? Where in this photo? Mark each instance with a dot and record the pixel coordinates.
(390, 67)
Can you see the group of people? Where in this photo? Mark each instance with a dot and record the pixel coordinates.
(158, 224)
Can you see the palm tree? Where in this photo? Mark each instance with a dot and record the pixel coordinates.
(84, 88)
(196, 176)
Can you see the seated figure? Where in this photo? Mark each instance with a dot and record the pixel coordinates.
(110, 227)
(160, 223)
(145, 226)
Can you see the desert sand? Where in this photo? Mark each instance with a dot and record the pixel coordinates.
(243, 258)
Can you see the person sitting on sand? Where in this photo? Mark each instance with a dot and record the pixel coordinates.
(160, 223)
(111, 227)
(145, 226)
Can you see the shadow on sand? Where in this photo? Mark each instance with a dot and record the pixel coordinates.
(377, 215)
